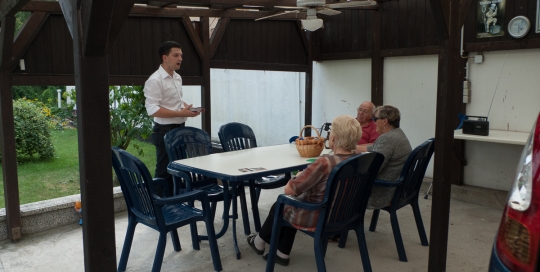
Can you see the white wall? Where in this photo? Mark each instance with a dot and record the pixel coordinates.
(409, 84)
(339, 87)
(510, 79)
(271, 103)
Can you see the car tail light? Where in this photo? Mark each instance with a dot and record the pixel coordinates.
(519, 232)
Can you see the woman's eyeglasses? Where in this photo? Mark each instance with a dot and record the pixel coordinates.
(375, 118)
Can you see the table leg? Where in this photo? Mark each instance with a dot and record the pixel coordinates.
(235, 215)
(243, 207)
(254, 205)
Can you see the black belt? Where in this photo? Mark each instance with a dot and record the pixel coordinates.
(169, 125)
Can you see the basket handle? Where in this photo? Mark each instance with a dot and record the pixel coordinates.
(312, 127)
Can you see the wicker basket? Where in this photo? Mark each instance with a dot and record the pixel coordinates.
(309, 147)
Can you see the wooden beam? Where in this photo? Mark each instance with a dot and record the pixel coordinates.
(245, 65)
(66, 6)
(303, 36)
(160, 4)
(120, 14)
(140, 80)
(69, 80)
(96, 18)
(205, 88)
(440, 22)
(142, 11)
(45, 6)
(415, 51)
(464, 11)
(449, 104)
(195, 38)
(9, 8)
(94, 137)
(26, 35)
(42, 80)
(7, 132)
(308, 104)
(344, 56)
(233, 14)
(217, 35)
(377, 61)
(291, 3)
(503, 45)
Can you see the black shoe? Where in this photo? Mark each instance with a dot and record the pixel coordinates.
(279, 260)
(251, 243)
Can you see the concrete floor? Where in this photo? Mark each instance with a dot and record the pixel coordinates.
(472, 229)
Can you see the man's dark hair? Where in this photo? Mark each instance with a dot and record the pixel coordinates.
(165, 48)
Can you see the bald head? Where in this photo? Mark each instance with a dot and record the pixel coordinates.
(364, 113)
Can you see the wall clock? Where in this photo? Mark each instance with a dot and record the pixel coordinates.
(519, 26)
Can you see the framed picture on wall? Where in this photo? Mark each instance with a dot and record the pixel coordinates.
(537, 16)
(490, 18)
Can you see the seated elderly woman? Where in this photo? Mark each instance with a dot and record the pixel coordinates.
(395, 147)
(309, 185)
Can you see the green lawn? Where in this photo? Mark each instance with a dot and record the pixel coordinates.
(41, 180)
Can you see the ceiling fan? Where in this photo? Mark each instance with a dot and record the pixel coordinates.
(314, 7)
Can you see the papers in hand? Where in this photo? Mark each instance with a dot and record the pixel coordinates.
(196, 109)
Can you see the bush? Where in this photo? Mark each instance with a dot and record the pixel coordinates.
(32, 130)
(129, 119)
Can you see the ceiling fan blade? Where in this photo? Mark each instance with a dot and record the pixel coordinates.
(278, 14)
(327, 11)
(287, 7)
(352, 4)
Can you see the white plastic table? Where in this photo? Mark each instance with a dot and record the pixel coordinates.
(260, 162)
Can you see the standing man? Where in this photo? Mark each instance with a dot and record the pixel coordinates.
(164, 102)
(364, 115)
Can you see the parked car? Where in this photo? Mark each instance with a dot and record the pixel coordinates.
(517, 244)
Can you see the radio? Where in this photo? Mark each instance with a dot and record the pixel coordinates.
(476, 127)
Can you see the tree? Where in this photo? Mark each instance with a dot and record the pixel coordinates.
(129, 119)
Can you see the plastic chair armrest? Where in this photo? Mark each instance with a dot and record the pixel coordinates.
(387, 183)
(295, 202)
(181, 174)
(189, 196)
(163, 184)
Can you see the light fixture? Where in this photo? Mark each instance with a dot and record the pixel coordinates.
(21, 65)
(312, 23)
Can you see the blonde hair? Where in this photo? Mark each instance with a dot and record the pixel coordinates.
(391, 113)
(347, 131)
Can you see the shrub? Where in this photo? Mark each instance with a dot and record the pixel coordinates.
(129, 119)
(32, 129)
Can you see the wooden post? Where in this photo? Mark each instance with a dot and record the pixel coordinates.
(449, 103)
(308, 103)
(95, 163)
(205, 88)
(377, 62)
(7, 134)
